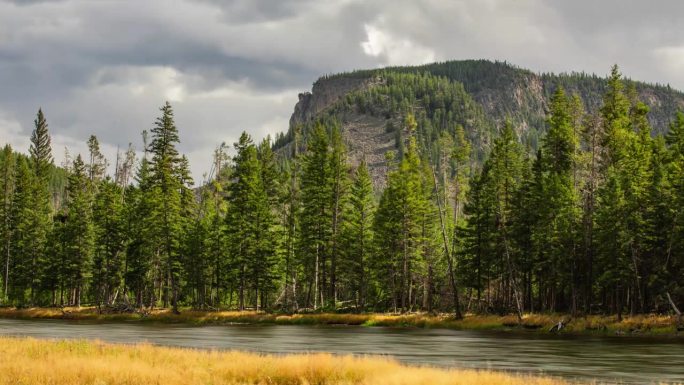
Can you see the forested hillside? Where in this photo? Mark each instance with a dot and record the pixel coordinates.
(476, 95)
(454, 199)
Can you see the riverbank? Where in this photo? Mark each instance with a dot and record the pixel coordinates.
(74, 362)
(641, 325)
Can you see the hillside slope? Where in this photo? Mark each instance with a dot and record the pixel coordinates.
(478, 95)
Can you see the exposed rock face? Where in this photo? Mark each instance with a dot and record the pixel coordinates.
(324, 93)
(363, 134)
(366, 139)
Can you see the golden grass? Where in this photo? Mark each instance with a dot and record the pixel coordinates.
(32, 361)
(594, 324)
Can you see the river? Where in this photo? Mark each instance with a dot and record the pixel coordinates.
(614, 359)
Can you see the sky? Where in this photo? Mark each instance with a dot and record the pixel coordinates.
(104, 67)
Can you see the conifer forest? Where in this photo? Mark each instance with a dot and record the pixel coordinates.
(468, 217)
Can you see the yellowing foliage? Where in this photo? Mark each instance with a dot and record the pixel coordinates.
(636, 325)
(31, 361)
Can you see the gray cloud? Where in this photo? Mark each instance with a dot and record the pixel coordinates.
(227, 66)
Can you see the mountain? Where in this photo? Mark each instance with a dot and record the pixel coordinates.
(478, 95)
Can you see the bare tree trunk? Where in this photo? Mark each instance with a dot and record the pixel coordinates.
(516, 292)
(316, 279)
(450, 263)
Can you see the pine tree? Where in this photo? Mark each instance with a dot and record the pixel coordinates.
(616, 122)
(78, 231)
(7, 181)
(358, 236)
(400, 232)
(245, 176)
(315, 217)
(142, 236)
(291, 216)
(97, 165)
(267, 237)
(197, 250)
(560, 151)
(339, 179)
(623, 157)
(674, 265)
(250, 223)
(529, 231)
(506, 172)
(216, 213)
(25, 236)
(110, 241)
(41, 210)
(40, 150)
(475, 258)
(166, 176)
(591, 160)
(659, 274)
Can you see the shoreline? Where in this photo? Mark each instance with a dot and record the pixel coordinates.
(533, 324)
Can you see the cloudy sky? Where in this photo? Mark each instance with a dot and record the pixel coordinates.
(105, 66)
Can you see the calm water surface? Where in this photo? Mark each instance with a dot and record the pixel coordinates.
(626, 360)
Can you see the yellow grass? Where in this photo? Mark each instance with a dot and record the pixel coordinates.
(637, 325)
(31, 361)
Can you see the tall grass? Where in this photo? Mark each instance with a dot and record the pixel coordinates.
(594, 324)
(33, 362)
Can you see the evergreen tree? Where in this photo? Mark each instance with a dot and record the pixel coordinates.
(399, 228)
(674, 264)
(40, 150)
(7, 180)
(506, 175)
(560, 150)
(358, 236)
(166, 176)
(141, 235)
(110, 240)
(198, 252)
(78, 231)
(478, 237)
(97, 165)
(250, 223)
(315, 218)
(26, 237)
(339, 180)
(41, 211)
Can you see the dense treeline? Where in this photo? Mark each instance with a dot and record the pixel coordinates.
(589, 222)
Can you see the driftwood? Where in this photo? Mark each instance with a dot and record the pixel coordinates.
(66, 314)
(560, 325)
(680, 319)
(117, 308)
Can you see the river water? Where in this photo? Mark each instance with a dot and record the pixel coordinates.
(613, 359)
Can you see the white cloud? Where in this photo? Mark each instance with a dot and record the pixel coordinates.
(392, 50)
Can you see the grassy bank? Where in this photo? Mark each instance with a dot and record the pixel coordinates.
(541, 323)
(31, 361)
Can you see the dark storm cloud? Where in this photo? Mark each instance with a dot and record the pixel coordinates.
(104, 67)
